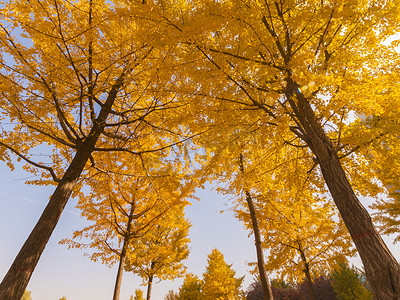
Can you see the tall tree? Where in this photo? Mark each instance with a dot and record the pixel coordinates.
(293, 220)
(304, 241)
(122, 208)
(305, 67)
(258, 241)
(78, 79)
(299, 226)
(159, 253)
(219, 281)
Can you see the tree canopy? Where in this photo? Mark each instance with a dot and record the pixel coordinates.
(129, 97)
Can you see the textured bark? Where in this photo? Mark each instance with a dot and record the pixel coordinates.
(267, 291)
(381, 268)
(14, 283)
(17, 278)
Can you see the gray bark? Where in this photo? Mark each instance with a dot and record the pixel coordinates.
(381, 268)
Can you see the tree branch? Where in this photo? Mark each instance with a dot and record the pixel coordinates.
(53, 175)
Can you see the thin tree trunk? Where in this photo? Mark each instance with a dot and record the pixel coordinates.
(149, 285)
(17, 278)
(310, 284)
(381, 268)
(120, 271)
(267, 291)
(122, 258)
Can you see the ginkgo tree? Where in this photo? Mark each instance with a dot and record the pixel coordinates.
(286, 208)
(219, 281)
(307, 67)
(161, 251)
(123, 208)
(303, 239)
(299, 226)
(80, 78)
(255, 227)
(89, 77)
(243, 166)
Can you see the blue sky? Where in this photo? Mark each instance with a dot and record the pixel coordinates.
(63, 272)
(69, 273)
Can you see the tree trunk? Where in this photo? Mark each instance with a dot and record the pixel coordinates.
(381, 268)
(310, 284)
(122, 257)
(260, 256)
(17, 278)
(120, 271)
(267, 291)
(149, 285)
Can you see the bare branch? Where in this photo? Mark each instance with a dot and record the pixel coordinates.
(53, 175)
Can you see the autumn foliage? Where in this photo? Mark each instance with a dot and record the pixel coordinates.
(130, 105)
